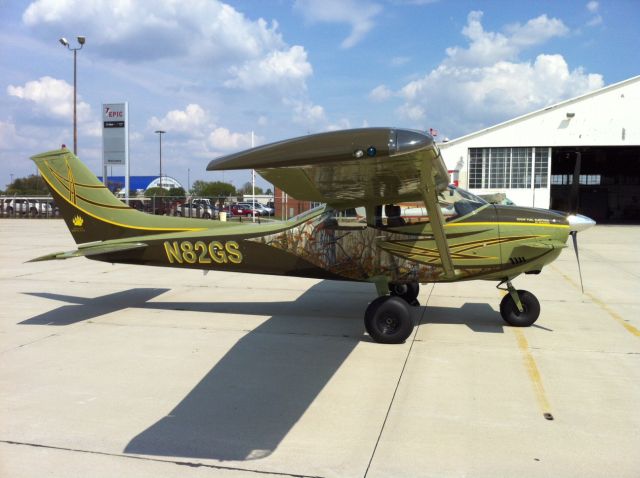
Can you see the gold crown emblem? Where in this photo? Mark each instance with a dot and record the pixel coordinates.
(77, 221)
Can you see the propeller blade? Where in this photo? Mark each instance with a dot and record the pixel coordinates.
(574, 236)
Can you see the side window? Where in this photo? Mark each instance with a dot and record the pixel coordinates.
(395, 215)
(352, 218)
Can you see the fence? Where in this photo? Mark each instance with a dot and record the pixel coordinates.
(44, 207)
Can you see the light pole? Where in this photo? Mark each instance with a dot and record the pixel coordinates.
(65, 42)
(160, 133)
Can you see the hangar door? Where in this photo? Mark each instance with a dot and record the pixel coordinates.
(609, 182)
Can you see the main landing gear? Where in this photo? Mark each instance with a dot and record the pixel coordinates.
(388, 318)
(519, 308)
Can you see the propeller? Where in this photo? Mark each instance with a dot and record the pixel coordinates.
(574, 236)
(577, 223)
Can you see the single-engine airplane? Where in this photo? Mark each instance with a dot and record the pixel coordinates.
(357, 233)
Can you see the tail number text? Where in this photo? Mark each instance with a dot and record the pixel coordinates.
(215, 252)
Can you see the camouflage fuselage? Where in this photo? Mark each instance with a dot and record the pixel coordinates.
(493, 242)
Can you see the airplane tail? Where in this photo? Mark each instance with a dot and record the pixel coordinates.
(89, 209)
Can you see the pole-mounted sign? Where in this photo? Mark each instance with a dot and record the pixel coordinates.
(115, 138)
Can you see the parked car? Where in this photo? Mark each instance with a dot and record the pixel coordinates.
(23, 206)
(193, 209)
(261, 210)
(242, 210)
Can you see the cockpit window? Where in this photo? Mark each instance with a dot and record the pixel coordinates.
(454, 204)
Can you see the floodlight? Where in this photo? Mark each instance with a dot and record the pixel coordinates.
(64, 41)
(81, 40)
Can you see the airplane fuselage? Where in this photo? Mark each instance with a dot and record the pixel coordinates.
(492, 242)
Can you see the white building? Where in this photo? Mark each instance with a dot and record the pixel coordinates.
(533, 158)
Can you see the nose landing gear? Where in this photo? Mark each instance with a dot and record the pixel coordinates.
(519, 308)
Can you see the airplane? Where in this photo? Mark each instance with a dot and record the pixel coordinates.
(357, 232)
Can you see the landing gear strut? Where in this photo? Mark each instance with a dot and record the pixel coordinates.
(519, 308)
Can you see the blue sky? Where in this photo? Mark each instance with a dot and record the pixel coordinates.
(211, 72)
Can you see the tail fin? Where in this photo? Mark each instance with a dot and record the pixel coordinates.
(89, 209)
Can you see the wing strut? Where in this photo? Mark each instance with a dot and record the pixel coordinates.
(430, 197)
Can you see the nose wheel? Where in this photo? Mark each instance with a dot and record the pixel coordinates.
(388, 320)
(519, 308)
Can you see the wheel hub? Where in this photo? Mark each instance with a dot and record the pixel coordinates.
(388, 325)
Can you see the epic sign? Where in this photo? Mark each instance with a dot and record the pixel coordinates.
(115, 133)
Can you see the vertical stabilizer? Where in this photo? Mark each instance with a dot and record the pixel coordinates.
(91, 212)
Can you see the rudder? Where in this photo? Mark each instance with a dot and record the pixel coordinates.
(89, 209)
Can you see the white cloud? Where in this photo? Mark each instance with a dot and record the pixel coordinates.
(225, 140)
(485, 83)
(204, 137)
(51, 97)
(380, 93)
(593, 7)
(415, 113)
(489, 47)
(192, 121)
(167, 28)
(306, 113)
(358, 14)
(279, 69)
(237, 51)
(342, 123)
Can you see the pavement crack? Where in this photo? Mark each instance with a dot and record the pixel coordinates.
(29, 343)
(395, 391)
(190, 464)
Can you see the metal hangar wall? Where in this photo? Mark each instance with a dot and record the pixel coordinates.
(594, 138)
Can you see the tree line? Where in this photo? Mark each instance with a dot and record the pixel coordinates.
(34, 185)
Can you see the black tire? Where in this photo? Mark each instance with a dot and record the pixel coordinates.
(178, 214)
(512, 316)
(206, 215)
(406, 290)
(388, 320)
(372, 307)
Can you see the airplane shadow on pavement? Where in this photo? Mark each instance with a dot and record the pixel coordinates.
(249, 401)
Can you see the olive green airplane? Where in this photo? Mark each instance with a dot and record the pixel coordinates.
(357, 232)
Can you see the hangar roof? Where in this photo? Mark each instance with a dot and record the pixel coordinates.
(545, 110)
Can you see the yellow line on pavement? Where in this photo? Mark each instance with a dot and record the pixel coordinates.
(614, 315)
(534, 373)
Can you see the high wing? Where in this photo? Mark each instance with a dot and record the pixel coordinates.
(352, 168)
(347, 168)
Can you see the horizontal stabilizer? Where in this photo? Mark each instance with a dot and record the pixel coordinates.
(92, 250)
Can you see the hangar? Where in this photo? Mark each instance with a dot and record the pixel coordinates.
(140, 183)
(534, 158)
